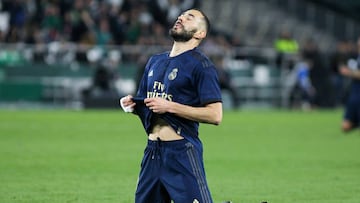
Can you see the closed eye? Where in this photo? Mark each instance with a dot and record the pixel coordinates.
(188, 16)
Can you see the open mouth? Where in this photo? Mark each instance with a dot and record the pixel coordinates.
(178, 25)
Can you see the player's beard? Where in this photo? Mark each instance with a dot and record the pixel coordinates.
(182, 36)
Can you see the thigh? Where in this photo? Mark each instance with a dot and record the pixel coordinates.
(149, 187)
(184, 176)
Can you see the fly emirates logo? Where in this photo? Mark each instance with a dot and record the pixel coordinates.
(158, 91)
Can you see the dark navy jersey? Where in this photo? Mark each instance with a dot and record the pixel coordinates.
(355, 86)
(189, 78)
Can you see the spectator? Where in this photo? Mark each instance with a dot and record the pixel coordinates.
(52, 23)
(102, 84)
(286, 47)
(134, 27)
(78, 25)
(303, 90)
(17, 13)
(118, 22)
(103, 34)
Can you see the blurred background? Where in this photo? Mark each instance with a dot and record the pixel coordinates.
(88, 53)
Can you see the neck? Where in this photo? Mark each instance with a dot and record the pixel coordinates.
(181, 47)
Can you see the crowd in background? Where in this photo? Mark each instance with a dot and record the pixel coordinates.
(92, 22)
(146, 22)
(87, 23)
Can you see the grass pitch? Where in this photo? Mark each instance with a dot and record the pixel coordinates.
(55, 156)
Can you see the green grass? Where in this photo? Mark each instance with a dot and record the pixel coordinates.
(253, 156)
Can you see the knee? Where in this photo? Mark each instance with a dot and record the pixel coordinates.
(346, 126)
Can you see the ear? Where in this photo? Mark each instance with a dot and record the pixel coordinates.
(200, 35)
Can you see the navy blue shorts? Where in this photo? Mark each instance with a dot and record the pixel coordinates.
(172, 170)
(352, 112)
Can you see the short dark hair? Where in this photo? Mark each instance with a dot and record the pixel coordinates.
(206, 19)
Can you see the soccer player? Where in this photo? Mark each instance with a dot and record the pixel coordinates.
(179, 89)
(352, 110)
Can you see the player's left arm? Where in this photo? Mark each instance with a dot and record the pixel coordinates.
(346, 71)
(211, 113)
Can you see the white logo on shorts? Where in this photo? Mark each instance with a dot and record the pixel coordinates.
(195, 201)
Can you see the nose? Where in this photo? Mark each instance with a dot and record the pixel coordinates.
(180, 17)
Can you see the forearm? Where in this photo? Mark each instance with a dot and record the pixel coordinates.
(211, 113)
(346, 71)
(355, 74)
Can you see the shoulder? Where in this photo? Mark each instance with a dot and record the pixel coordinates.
(161, 55)
(201, 59)
(157, 58)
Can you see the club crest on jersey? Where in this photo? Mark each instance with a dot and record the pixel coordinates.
(173, 74)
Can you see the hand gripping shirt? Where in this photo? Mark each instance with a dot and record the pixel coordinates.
(189, 78)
